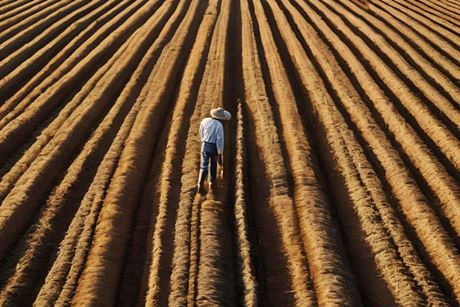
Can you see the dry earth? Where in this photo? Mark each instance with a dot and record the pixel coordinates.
(341, 167)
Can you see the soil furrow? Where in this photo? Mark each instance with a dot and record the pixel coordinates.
(388, 157)
(14, 37)
(441, 83)
(9, 18)
(420, 37)
(28, 60)
(415, 106)
(8, 5)
(362, 182)
(246, 271)
(425, 33)
(21, 124)
(420, 214)
(63, 201)
(187, 287)
(452, 10)
(292, 272)
(91, 203)
(65, 60)
(157, 268)
(312, 205)
(448, 198)
(214, 285)
(163, 188)
(106, 257)
(49, 128)
(20, 202)
(63, 276)
(340, 177)
(439, 10)
(424, 11)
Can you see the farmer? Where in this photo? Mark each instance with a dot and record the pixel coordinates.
(212, 145)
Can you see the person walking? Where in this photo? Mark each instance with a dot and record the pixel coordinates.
(212, 145)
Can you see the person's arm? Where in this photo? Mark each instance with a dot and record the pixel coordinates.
(220, 142)
(200, 136)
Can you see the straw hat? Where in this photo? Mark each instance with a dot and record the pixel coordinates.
(220, 113)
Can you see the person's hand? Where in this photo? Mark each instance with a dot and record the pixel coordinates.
(219, 159)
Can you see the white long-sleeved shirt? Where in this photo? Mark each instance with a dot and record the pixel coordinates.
(212, 131)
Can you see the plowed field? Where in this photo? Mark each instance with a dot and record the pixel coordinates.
(341, 167)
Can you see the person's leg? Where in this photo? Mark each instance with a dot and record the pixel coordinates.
(203, 168)
(213, 168)
(204, 163)
(213, 158)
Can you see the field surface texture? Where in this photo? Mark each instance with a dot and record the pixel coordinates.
(340, 176)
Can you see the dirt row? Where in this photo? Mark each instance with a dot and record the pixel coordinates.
(358, 117)
(341, 166)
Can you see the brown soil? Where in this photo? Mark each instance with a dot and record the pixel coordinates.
(341, 165)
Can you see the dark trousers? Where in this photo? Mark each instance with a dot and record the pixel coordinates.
(208, 155)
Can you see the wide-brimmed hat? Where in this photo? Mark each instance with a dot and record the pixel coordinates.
(220, 113)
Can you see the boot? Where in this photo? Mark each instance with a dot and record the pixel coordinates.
(201, 179)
